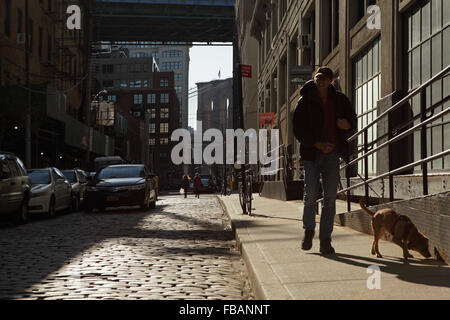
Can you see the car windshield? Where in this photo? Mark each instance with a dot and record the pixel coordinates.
(121, 172)
(70, 175)
(40, 176)
(205, 181)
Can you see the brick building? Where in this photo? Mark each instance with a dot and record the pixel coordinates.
(157, 109)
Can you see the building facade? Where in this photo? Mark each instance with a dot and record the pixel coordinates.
(379, 51)
(169, 57)
(52, 81)
(156, 111)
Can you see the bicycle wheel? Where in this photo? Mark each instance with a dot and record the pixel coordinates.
(241, 196)
(249, 197)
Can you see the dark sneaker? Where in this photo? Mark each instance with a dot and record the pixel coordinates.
(307, 240)
(325, 247)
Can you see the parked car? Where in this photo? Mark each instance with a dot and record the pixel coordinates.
(50, 191)
(15, 188)
(78, 181)
(91, 175)
(207, 185)
(121, 185)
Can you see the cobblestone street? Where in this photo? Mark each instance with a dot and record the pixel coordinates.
(183, 249)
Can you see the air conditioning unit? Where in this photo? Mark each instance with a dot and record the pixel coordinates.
(304, 41)
(21, 38)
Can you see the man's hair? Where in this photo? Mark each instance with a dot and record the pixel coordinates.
(327, 72)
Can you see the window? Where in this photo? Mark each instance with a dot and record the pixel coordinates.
(178, 77)
(152, 128)
(108, 83)
(164, 113)
(359, 10)
(123, 83)
(174, 65)
(112, 98)
(41, 41)
(367, 90)
(172, 54)
(108, 68)
(164, 127)
(178, 89)
(151, 98)
(164, 82)
(164, 141)
(427, 33)
(8, 18)
(152, 113)
(5, 170)
(49, 49)
(152, 142)
(30, 23)
(137, 99)
(19, 21)
(138, 83)
(164, 98)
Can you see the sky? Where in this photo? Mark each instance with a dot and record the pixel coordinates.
(205, 64)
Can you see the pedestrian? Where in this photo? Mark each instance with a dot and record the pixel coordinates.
(197, 185)
(323, 121)
(185, 184)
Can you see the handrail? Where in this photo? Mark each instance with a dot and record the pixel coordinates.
(398, 137)
(408, 166)
(424, 121)
(401, 102)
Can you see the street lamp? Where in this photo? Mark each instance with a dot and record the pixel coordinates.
(89, 126)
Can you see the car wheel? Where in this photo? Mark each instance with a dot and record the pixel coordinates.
(75, 204)
(145, 205)
(51, 207)
(21, 215)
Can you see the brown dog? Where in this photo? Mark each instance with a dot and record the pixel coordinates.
(404, 232)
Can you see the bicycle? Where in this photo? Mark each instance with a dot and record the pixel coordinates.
(245, 191)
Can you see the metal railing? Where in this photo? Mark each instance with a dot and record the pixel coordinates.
(283, 168)
(393, 135)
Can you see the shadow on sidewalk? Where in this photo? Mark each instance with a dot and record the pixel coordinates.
(273, 217)
(428, 272)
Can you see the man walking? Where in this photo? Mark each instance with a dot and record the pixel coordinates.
(323, 120)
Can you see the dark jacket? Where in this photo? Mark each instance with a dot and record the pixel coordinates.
(308, 121)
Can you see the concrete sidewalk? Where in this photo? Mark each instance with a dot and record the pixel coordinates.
(279, 270)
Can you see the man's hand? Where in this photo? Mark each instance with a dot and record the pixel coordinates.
(325, 147)
(343, 124)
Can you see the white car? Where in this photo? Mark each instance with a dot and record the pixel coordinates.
(50, 191)
(78, 180)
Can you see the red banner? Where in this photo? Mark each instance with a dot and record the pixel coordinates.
(246, 71)
(266, 118)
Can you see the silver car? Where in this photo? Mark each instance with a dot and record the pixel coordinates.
(50, 191)
(78, 180)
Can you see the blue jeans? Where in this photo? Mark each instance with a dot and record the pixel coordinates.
(327, 166)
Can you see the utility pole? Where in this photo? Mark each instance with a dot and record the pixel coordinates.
(238, 118)
(87, 47)
(27, 85)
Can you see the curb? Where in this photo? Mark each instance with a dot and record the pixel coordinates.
(256, 264)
